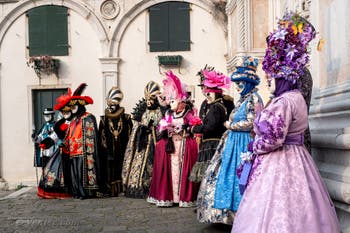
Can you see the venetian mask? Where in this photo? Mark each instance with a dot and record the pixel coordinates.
(75, 108)
(174, 104)
(210, 97)
(67, 114)
(48, 118)
(240, 86)
(112, 108)
(271, 85)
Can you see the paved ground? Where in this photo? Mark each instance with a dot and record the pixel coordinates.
(28, 213)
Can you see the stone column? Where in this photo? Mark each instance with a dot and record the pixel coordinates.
(109, 67)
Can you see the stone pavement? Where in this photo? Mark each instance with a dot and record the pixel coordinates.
(29, 213)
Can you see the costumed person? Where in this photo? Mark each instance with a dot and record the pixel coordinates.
(219, 196)
(213, 114)
(285, 192)
(176, 152)
(114, 130)
(306, 91)
(83, 146)
(138, 162)
(54, 182)
(44, 132)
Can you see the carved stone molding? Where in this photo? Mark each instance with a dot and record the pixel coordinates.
(109, 9)
(230, 6)
(305, 8)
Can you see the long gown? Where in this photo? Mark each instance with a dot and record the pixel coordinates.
(138, 161)
(219, 195)
(170, 183)
(213, 116)
(285, 192)
(114, 131)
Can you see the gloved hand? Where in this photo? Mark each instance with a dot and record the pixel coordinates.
(250, 146)
(150, 123)
(46, 143)
(185, 126)
(60, 128)
(34, 137)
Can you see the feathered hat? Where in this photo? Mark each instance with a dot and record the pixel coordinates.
(173, 87)
(201, 75)
(114, 96)
(77, 98)
(63, 100)
(287, 47)
(215, 81)
(151, 90)
(246, 71)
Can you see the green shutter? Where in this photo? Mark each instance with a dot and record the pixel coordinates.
(48, 31)
(37, 28)
(179, 26)
(159, 21)
(57, 38)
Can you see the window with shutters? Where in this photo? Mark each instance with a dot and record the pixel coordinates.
(48, 31)
(170, 27)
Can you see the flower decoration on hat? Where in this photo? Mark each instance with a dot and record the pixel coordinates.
(173, 87)
(215, 81)
(246, 71)
(78, 99)
(201, 75)
(287, 55)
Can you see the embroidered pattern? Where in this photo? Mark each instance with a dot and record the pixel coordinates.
(271, 130)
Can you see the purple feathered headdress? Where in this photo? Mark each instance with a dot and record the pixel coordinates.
(287, 47)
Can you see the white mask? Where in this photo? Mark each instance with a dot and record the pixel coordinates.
(48, 118)
(240, 86)
(210, 97)
(174, 104)
(112, 108)
(66, 115)
(271, 85)
(74, 109)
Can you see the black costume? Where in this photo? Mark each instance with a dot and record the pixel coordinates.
(114, 130)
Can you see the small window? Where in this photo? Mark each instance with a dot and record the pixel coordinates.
(48, 31)
(170, 27)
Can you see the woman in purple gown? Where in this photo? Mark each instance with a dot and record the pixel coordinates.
(285, 192)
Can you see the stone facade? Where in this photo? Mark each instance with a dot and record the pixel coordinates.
(330, 68)
(112, 37)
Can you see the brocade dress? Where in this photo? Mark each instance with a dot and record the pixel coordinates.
(219, 196)
(285, 192)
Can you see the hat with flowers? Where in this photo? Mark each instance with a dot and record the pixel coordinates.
(287, 47)
(213, 81)
(246, 71)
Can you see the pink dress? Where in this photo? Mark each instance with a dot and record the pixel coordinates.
(285, 193)
(170, 183)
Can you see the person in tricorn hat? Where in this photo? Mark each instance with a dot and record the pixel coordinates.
(285, 192)
(55, 179)
(219, 196)
(83, 146)
(114, 130)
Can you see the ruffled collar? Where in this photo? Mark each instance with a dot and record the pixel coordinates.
(115, 114)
